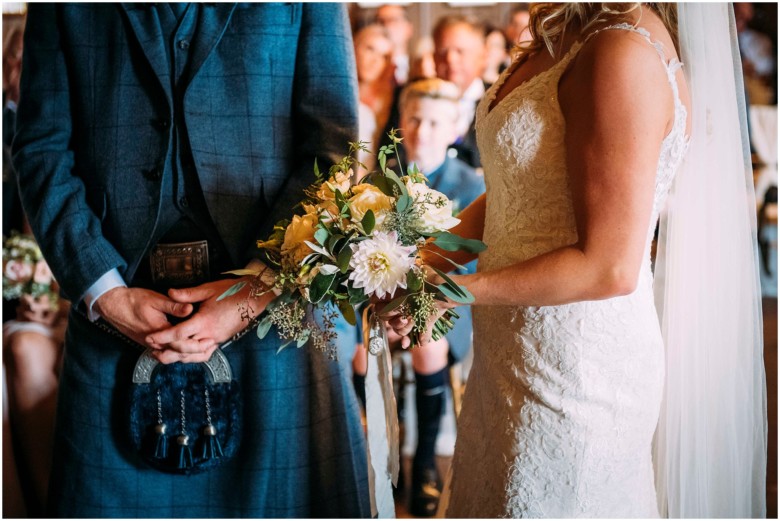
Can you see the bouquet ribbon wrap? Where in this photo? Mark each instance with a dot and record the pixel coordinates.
(381, 418)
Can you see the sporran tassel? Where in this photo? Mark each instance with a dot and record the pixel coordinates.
(160, 439)
(210, 446)
(183, 441)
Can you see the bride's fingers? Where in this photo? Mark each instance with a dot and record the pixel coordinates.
(406, 342)
(398, 322)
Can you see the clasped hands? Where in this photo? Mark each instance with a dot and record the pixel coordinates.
(142, 315)
(398, 324)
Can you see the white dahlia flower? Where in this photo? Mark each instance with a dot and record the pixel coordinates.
(379, 265)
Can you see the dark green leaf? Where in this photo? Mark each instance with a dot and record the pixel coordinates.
(368, 222)
(356, 295)
(413, 281)
(394, 304)
(232, 290)
(343, 260)
(348, 311)
(383, 183)
(450, 242)
(320, 286)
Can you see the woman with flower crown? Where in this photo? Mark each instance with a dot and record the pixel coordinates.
(596, 390)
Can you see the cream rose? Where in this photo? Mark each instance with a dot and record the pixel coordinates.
(17, 271)
(341, 181)
(435, 208)
(368, 197)
(299, 230)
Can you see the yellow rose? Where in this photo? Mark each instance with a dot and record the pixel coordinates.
(299, 230)
(341, 181)
(368, 197)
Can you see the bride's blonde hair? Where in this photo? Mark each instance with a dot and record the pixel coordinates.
(550, 21)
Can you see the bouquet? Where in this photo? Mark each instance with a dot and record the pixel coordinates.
(25, 272)
(355, 242)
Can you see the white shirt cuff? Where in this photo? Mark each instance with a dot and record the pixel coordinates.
(108, 281)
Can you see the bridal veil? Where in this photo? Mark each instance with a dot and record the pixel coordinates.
(710, 445)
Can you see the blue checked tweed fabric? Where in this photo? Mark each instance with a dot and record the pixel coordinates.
(269, 88)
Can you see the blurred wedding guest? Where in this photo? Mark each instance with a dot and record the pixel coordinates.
(423, 64)
(183, 132)
(428, 112)
(517, 29)
(376, 85)
(497, 48)
(759, 59)
(32, 348)
(394, 18)
(460, 58)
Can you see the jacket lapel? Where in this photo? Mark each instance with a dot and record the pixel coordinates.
(146, 26)
(213, 22)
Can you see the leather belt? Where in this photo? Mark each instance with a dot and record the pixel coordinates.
(180, 264)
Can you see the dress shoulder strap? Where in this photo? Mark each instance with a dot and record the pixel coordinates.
(671, 66)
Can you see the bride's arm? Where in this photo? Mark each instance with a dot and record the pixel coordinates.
(471, 226)
(618, 107)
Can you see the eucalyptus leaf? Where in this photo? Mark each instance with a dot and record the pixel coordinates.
(232, 290)
(303, 339)
(455, 264)
(450, 242)
(458, 297)
(283, 346)
(403, 204)
(264, 326)
(454, 286)
(321, 236)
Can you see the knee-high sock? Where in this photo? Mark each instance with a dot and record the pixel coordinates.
(359, 382)
(430, 407)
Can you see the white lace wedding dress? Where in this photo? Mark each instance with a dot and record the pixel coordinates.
(562, 401)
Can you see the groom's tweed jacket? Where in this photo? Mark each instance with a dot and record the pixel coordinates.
(269, 87)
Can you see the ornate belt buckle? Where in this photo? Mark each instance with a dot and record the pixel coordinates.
(182, 263)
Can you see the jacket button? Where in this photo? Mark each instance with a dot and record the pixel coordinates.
(162, 124)
(153, 174)
(184, 202)
(184, 45)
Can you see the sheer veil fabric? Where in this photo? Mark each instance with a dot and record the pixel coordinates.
(710, 444)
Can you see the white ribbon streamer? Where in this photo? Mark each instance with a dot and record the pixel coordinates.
(381, 419)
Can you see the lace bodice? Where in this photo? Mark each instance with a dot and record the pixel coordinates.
(562, 401)
(526, 132)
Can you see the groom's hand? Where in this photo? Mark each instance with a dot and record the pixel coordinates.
(195, 339)
(136, 312)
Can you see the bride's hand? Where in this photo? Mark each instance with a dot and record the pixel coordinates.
(403, 325)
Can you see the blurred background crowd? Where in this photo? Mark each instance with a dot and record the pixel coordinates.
(421, 68)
